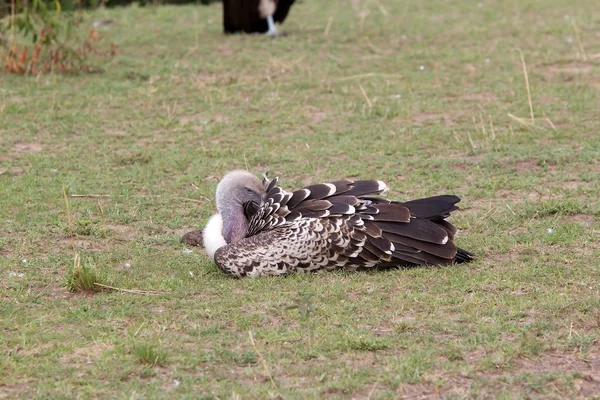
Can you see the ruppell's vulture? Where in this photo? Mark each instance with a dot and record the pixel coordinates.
(261, 229)
(254, 16)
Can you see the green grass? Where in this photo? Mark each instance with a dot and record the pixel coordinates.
(146, 354)
(181, 104)
(83, 278)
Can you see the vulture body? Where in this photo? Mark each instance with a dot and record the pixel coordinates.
(254, 16)
(343, 224)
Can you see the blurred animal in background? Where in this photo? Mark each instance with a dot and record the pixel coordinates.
(254, 16)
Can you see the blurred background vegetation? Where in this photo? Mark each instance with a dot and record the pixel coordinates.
(6, 6)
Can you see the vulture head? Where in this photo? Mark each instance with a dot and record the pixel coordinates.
(238, 192)
(236, 189)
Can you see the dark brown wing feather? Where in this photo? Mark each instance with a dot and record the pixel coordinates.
(450, 229)
(446, 251)
(320, 191)
(417, 228)
(372, 229)
(297, 197)
(364, 230)
(364, 188)
(383, 244)
(388, 212)
(311, 208)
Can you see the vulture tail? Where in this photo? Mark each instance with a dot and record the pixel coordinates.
(463, 256)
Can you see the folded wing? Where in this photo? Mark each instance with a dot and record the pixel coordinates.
(342, 224)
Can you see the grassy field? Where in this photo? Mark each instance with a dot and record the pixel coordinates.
(429, 96)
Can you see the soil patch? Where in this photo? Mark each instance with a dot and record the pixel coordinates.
(316, 116)
(567, 70)
(25, 148)
(429, 118)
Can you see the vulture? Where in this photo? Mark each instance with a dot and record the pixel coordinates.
(261, 229)
(254, 16)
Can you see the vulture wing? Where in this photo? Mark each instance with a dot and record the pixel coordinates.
(341, 224)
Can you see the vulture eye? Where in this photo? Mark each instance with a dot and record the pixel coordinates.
(249, 192)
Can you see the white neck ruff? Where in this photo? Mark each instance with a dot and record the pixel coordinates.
(212, 235)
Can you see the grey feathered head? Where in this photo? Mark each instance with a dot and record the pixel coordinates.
(237, 188)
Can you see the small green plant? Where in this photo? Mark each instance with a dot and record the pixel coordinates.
(247, 357)
(82, 278)
(147, 372)
(357, 341)
(554, 207)
(452, 353)
(147, 354)
(305, 308)
(530, 344)
(413, 366)
(567, 233)
(89, 227)
(405, 327)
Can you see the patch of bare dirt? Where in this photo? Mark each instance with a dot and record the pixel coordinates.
(568, 70)
(507, 196)
(80, 243)
(185, 119)
(9, 390)
(428, 118)
(12, 171)
(580, 219)
(545, 100)
(126, 232)
(18, 100)
(5, 252)
(571, 68)
(202, 119)
(526, 165)
(588, 384)
(473, 158)
(316, 116)
(225, 50)
(55, 291)
(588, 368)
(157, 309)
(220, 118)
(315, 177)
(471, 70)
(115, 132)
(481, 97)
(205, 76)
(91, 243)
(271, 318)
(25, 147)
(82, 356)
(33, 349)
(571, 185)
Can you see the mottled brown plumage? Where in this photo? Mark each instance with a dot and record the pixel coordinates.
(340, 224)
